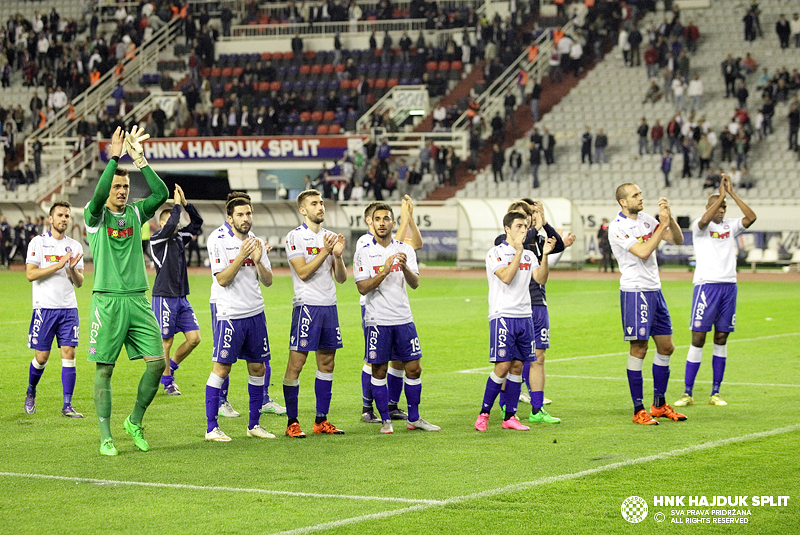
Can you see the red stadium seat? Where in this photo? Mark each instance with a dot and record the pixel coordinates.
(305, 116)
(227, 72)
(205, 72)
(216, 71)
(316, 69)
(334, 129)
(380, 83)
(346, 84)
(192, 132)
(305, 70)
(288, 56)
(322, 129)
(327, 69)
(310, 55)
(228, 87)
(277, 56)
(263, 86)
(329, 116)
(275, 86)
(238, 71)
(316, 116)
(219, 102)
(180, 132)
(339, 68)
(431, 66)
(266, 56)
(456, 66)
(444, 66)
(392, 82)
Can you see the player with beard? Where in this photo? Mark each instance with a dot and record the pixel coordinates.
(55, 267)
(382, 269)
(315, 261)
(238, 264)
(634, 237)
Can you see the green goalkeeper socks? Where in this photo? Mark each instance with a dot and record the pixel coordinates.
(102, 398)
(148, 387)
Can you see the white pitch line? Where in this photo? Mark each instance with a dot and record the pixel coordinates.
(621, 353)
(215, 489)
(517, 487)
(675, 380)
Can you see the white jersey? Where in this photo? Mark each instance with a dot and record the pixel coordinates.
(55, 291)
(509, 300)
(366, 239)
(319, 289)
(388, 303)
(242, 297)
(715, 250)
(636, 274)
(215, 287)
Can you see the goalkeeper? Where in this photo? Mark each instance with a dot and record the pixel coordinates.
(120, 312)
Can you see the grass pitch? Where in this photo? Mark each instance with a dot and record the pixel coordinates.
(571, 477)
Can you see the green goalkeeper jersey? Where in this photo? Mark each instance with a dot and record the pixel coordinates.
(116, 238)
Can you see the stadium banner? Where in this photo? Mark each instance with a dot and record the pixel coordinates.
(440, 241)
(204, 149)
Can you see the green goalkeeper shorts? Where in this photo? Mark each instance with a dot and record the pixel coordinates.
(122, 319)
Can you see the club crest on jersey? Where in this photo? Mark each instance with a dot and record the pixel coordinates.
(68, 249)
(92, 350)
(313, 250)
(120, 222)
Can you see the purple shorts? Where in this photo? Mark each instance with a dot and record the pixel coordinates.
(174, 315)
(244, 339)
(511, 339)
(47, 323)
(392, 342)
(541, 326)
(315, 327)
(644, 314)
(714, 304)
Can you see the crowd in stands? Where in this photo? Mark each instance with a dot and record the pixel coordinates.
(14, 240)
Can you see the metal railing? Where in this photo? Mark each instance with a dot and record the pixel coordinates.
(288, 30)
(147, 105)
(387, 103)
(491, 100)
(408, 144)
(95, 96)
(59, 175)
(279, 9)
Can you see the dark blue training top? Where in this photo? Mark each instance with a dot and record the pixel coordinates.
(167, 250)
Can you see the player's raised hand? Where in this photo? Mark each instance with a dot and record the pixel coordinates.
(724, 180)
(387, 266)
(663, 215)
(539, 207)
(516, 243)
(549, 243)
(247, 248)
(402, 259)
(338, 249)
(567, 237)
(117, 142)
(729, 185)
(179, 190)
(255, 255)
(329, 242)
(409, 203)
(133, 145)
(73, 261)
(176, 196)
(64, 259)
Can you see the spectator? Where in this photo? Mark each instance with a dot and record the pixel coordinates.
(386, 55)
(749, 64)
(687, 158)
(657, 135)
(535, 158)
(297, 45)
(741, 95)
(745, 180)
(691, 35)
(536, 95)
(635, 40)
(749, 20)
(653, 93)
(794, 124)
(498, 160)
(712, 179)
(730, 72)
(576, 57)
(695, 92)
(226, 17)
(515, 162)
(642, 130)
(497, 129)
(425, 157)
(677, 92)
(586, 146)
(651, 60)
(624, 45)
(440, 165)
(794, 26)
(784, 31)
(666, 166)
(405, 47)
(548, 147)
(704, 151)
(600, 144)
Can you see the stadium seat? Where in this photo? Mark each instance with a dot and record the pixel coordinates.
(329, 116)
(180, 132)
(334, 129)
(322, 129)
(192, 132)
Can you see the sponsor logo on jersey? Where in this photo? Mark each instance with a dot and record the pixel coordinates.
(525, 266)
(380, 269)
(644, 238)
(120, 233)
(312, 250)
(52, 258)
(227, 337)
(95, 329)
(719, 235)
(305, 325)
(701, 309)
(247, 262)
